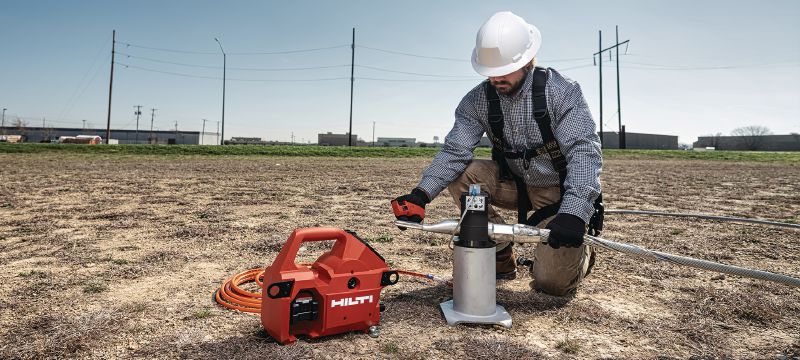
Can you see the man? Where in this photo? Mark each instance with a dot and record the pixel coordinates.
(546, 155)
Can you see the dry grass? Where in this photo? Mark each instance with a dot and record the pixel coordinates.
(150, 239)
(59, 336)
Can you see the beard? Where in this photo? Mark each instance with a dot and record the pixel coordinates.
(505, 87)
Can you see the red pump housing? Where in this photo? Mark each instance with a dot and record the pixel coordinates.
(338, 293)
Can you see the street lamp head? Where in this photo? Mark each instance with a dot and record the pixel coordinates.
(220, 45)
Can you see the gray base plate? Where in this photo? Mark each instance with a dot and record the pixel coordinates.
(500, 316)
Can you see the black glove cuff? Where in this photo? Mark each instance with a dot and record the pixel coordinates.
(421, 195)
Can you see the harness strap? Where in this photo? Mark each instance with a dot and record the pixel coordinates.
(496, 134)
(501, 153)
(542, 117)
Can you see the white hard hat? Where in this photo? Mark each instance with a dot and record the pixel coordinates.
(505, 43)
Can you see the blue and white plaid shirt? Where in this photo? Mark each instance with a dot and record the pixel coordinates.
(573, 128)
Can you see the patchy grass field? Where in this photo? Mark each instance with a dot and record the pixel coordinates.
(118, 257)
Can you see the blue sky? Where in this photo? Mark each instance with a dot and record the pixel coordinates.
(693, 67)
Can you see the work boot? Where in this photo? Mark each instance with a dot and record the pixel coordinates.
(506, 264)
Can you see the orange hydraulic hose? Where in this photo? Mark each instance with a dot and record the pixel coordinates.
(231, 296)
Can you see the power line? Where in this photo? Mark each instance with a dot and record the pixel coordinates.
(167, 50)
(288, 69)
(219, 78)
(292, 51)
(415, 80)
(649, 66)
(412, 55)
(411, 73)
(80, 88)
(230, 68)
(180, 51)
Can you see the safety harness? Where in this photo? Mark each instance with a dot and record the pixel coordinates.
(501, 152)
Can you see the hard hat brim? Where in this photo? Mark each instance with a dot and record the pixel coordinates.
(490, 71)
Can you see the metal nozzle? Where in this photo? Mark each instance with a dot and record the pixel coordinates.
(503, 232)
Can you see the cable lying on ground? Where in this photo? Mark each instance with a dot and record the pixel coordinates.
(231, 294)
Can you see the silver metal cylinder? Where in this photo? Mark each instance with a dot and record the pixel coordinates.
(474, 281)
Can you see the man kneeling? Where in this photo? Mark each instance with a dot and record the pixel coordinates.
(546, 156)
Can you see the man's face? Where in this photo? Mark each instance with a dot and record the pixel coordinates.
(510, 83)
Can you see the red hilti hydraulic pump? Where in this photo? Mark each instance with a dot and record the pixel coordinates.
(338, 293)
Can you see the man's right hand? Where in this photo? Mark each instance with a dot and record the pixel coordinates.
(411, 207)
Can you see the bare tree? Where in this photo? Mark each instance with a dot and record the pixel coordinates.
(21, 125)
(752, 136)
(715, 140)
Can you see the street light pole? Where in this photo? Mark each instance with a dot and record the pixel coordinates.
(203, 133)
(4, 121)
(224, 68)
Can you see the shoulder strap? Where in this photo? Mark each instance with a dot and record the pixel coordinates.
(542, 117)
(496, 135)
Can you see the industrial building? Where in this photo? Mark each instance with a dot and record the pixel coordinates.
(640, 141)
(789, 142)
(331, 139)
(396, 142)
(48, 134)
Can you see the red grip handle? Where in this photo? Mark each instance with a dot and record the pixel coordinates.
(285, 259)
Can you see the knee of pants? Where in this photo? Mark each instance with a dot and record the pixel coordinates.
(478, 170)
(556, 286)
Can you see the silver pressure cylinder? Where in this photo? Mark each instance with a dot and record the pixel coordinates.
(474, 281)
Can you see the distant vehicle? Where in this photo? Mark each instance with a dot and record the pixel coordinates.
(12, 138)
(81, 139)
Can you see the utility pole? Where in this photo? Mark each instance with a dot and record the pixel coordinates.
(152, 116)
(110, 84)
(600, 62)
(84, 124)
(218, 132)
(619, 104)
(600, 48)
(138, 112)
(203, 133)
(224, 66)
(292, 137)
(373, 134)
(4, 121)
(352, 80)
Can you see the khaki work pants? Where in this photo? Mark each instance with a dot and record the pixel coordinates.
(555, 271)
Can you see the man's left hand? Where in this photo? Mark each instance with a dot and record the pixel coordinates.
(566, 230)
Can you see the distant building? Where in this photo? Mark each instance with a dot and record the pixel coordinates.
(396, 142)
(331, 139)
(789, 142)
(640, 141)
(237, 140)
(39, 134)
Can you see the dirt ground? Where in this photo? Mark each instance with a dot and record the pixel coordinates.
(104, 257)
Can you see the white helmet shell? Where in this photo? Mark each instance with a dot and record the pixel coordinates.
(504, 44)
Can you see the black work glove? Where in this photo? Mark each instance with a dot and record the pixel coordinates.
(566, 230)
(411, 207)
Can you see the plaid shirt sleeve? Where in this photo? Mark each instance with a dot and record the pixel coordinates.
(574, 130)
(456, 152)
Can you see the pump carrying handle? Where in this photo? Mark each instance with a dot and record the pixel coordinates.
(285, 259)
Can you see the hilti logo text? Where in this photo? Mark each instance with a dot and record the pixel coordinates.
(352, 301)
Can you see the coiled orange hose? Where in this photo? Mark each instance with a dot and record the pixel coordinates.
(231, 295)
